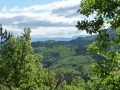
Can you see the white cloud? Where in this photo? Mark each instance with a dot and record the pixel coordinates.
(54, 32)
(42, 20)
(47, 7)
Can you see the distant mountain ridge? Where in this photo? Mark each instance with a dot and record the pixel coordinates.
(56, 39)
(76, 41)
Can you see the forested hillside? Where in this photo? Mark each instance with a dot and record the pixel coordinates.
(69, 58)
(85, 63)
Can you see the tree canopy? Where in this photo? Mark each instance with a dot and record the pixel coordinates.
(20, 67)
(104, 13)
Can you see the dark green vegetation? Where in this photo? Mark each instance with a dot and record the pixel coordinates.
(69, 58)
(20, 68)
(105, 12)
(67, 65)
(63, 67)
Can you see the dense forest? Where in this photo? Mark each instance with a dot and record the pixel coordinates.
(85, 63)
(69, 58)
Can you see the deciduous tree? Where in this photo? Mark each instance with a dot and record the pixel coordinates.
(104, 13)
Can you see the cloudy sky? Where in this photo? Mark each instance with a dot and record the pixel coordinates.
(46, 18)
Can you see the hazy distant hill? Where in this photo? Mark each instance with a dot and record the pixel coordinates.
(82, 40)
(56, 39)
(78, 41)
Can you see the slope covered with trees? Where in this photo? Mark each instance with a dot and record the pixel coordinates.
(67, 65)
(70, 58)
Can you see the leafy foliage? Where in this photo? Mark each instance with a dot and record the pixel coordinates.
(105, 12)
(20, 68)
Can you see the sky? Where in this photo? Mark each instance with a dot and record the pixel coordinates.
(46, 18)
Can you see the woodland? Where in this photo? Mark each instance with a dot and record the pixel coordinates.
(85, 63)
